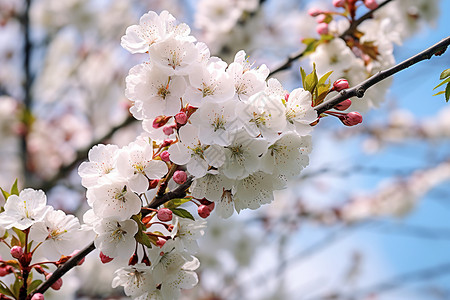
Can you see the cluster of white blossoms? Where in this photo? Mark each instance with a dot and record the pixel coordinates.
(240, 136)
(50, 233)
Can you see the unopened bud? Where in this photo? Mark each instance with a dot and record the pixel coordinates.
(204, 211)
(160, 242)
(321, 18)
(16, 252)
(179, 177)
(58, 283)
(165, 156)
(167, 143)
(38, 296)
(340, 84)
(133, 259)
(314, 12)
(339, 3)
(343, 105)
(164, 215)
(104, 258)
(322, 28)
(160, 121)
(371, 4)
(352, 119)
(168, 130)
(181, 118)
(153, 184)
(5, 270)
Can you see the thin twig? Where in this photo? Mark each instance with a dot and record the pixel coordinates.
(360, 89)
(350, 30)
(82, 155)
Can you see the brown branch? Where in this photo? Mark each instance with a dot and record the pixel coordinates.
(82, 155)
(360, 89)
(353, 25)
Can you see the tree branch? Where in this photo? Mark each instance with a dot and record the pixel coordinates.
(82, 155)
(350, 30)
(360, 89)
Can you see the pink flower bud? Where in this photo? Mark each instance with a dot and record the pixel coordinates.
(104, 258)
(322, 28)
(340, 84)
(211, 206)
(204, 211)
(75, 253)
(164, 215)
(181, 118)
(314, 12)
(179, 177)
(321, 18)
(153, 183)
(16, 252)
(58, 283)
(167, 143)
(5, 270)
(160, 242)
(160, 121)
(168, 130)
(343, 105)
(38, 296)
(339, 3)
(371, 4)
(352, 119)
(165, 156)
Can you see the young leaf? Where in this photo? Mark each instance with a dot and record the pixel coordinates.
(14, 189)
(324, 77)
(143, 239)
(447, 92)
(183, 213)
(5, 194)
(445, 74)
(174, 203)
(5, 290)
(442, 83)
(34, 285)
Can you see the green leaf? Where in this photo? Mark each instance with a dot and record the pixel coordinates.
(311, 80)
(143, 239)
(34, 285)
(15, 241)
(183, 213)
(447, 92)
(439, 93)
(324, 77)
(14, 189)
(15, 287)
(137, 219)
(442, 83)
(311, 45)
(21, 235)
(5, 290)
(445, 74)
(303, 74)
(5, 194)
(174, 203)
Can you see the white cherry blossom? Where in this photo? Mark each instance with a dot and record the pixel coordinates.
(135, 163)
(101, 165)
(159, 92)
(299, 111)
(114, 200)
(24, 210)
(115, 238)
(137, 280)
